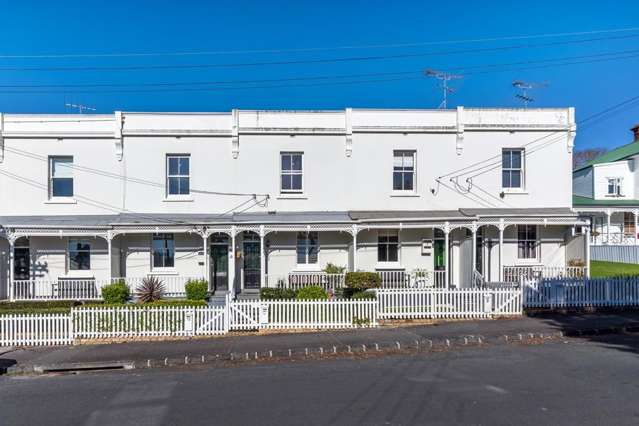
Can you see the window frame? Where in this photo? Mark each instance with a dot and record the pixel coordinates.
(163, 267)
(80, 240)
(51, 177)
(307, 265)
(617, 184)
(521, 170)
(177, 176)
(403, 153)
(536, 244)
(386, 263)
(291, 172)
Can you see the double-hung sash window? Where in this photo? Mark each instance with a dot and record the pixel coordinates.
(388, 246)
(178, 175)
(291, 172)
(79, 255)
(60, 176)
(512, 168)
(163, 251)
(527, 244)
(403, 170)
(614, 187)
(307, 248)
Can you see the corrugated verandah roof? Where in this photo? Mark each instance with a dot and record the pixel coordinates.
(617, 154)
(105, 222)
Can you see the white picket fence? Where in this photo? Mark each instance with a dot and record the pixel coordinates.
(63, 289)
(35, 330)
(593, 292)
(448, 303)
(300, 314)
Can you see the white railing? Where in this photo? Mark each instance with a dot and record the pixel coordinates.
(302, 314)
(448, 303)
(594, 292)
(394, 279)
(61, 289)
(96, 322)
(616, 238)
(35, 329)
(513, 274)
(174, 285)
(297, 280)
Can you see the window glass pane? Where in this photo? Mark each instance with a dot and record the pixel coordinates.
(286, 162)
(61, 167)
(408, 181)
(505, 159)
(516, 159)
(296, 161)
(62, 187)
(392, 253)
(296, 182)
(515, 181)
(505, 179)
(398, 161)
(184, 185)
(173, 166)
(174, 186)
(397, 181)
(409, 160)
(381, 253)
(184, 166)
(286, 182)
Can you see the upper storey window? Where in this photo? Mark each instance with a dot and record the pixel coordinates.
(60, 177)
(512, 168)
(403, 170)
(178, 174)
(291, 173)
(614, 187)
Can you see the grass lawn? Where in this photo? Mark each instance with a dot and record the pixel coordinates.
(611, 269)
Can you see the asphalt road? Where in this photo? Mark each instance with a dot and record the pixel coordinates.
(592, 381)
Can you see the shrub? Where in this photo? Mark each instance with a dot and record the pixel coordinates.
(117, 292)
(576, 263)
(181, 302)
(363, 295)
(197, 289)
(150, 290)
(40, 304)
(334, 269)
(312, 292)
(267, 293)
(362, 280)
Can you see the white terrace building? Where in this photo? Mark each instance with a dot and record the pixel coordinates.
(606, 190)
(90, 198)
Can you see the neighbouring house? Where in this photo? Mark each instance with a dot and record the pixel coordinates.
(606, 190)
(249, 199)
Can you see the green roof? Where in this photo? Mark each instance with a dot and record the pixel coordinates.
(585, 202)
(617, 154)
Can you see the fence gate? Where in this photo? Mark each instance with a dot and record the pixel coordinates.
(243, 315)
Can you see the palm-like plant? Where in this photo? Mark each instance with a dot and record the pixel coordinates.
(150, 290)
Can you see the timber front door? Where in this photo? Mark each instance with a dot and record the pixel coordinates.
(251, 266)
(219, 262)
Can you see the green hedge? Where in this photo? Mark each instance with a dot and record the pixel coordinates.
(276, 293)
(189, 303)
(312, 292)
(363, 295)
(34, 311)
(362, 280)
(117, 292)
(38, 304)
(197, 289)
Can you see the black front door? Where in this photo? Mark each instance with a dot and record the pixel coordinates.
(219, 263)
(251, 266)
(21, 263)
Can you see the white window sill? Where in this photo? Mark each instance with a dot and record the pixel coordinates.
(512, 191)
(163, 272)
(404, 194)
(61, 200)
(178, 199)
(292, 196)
(389, 265)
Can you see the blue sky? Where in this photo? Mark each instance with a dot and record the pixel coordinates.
(87, 27)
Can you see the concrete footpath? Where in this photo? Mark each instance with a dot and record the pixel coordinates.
(243, 346)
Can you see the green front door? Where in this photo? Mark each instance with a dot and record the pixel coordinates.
(219, 263)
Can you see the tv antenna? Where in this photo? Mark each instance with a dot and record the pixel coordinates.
(524, 86)
(81, 108)
(444, 78)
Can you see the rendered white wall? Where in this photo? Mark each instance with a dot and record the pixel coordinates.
(618, 169)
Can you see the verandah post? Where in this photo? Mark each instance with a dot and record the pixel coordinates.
(11, 271)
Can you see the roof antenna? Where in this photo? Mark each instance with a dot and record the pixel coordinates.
(81, 108)
(524, 96)
(444, 77)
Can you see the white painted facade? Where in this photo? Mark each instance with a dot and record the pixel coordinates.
(120, 166)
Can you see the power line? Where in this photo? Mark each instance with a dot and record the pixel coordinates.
(312, 61)
(309, 49)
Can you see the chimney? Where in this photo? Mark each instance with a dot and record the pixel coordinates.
(635, 133)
